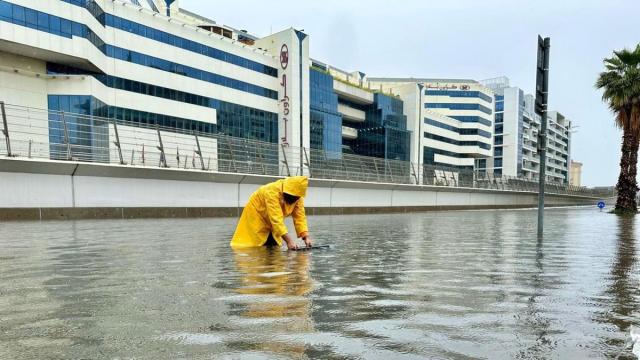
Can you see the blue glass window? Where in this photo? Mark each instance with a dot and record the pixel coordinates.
(497, 162)
(19, 15)
(459, 93)
(472, 119)
(62, 27)
(32, 18)
(460, 131)
(457, 142)
(458, 106)
(6, 11)
(43, 21)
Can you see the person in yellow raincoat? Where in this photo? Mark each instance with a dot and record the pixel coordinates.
(262, 220)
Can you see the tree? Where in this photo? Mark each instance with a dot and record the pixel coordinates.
(621, 91)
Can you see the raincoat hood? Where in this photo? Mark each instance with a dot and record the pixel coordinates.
(296, 186)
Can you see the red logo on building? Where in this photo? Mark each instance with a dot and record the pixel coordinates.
(284, 56)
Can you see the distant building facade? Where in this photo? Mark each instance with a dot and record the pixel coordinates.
(517, 126)
(575, 173)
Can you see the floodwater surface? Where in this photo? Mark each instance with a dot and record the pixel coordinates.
(443, 285)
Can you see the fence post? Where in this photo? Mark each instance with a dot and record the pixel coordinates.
(163, 159)
(66, 135)
(375, 164)
(308, 163)
(199, 152)
(264, 170)
(284, 157)
(232, 154)
(5, 129)
(387, 166)
(117, 142)
(415, 175)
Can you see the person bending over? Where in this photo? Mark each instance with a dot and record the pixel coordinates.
(262, 220)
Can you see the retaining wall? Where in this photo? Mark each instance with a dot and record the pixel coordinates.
(35, 189)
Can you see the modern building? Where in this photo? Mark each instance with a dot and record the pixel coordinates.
(372, 123)
(149, 63)
(575, 173)
(516, 136)
(451, 120)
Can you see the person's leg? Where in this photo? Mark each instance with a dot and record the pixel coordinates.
(271, 241)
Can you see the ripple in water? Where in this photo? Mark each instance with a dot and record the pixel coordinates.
(452, 285)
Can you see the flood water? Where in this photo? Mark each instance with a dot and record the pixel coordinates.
(443, 285)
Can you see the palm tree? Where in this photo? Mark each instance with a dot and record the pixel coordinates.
(621, 91)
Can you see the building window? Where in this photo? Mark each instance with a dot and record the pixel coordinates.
(458, 93)
(458, 106)
(457, 142)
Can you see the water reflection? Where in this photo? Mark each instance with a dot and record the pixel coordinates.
(621, 295)
(273, 284)
(450, 285)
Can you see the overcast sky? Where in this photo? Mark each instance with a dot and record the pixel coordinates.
(466, 39)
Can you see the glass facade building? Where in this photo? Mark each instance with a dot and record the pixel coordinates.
(384, 132)
(88, 139)
(326, 121)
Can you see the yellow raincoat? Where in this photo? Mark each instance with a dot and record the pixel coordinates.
(265, 212)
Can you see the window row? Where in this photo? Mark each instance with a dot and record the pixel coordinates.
(107, 19)
(460, 131)
(233, 119)
(472, 119)
(38, 20)
(430, 150)
(462, 93)
(161, 64)
(20, 15)
(457, 142)
(189, 45)
(458, 106)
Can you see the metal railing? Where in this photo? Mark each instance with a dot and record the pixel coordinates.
(54, 135)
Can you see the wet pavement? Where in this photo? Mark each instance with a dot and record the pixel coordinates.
(444, 285)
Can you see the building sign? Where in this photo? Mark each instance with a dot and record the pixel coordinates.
(463, 87)
(284, 100)
(284, 56)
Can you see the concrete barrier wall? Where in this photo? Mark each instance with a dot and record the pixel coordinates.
(56, 189)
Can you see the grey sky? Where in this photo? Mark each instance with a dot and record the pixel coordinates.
(466, 39)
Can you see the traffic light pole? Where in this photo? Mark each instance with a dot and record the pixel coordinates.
(542, 97)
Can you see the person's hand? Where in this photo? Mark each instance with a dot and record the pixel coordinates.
(307, 240)
(291, 244)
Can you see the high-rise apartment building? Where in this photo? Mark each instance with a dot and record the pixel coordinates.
(516, 137)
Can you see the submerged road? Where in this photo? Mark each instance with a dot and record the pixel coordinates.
(457, 285)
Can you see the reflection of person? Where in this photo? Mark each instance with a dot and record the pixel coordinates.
(262, 220)
(277, 284)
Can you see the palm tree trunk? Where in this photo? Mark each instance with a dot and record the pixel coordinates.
(627, 186)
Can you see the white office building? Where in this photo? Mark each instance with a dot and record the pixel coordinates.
(145, 62)
(516, 137)
(451, 120)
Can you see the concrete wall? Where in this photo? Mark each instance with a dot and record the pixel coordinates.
(52, 189)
